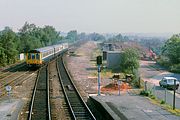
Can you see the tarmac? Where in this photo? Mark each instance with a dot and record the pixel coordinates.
(133, 108)
(9, 109)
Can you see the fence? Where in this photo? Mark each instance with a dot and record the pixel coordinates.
(163, 94)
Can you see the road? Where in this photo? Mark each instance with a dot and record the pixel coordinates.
(152, 73)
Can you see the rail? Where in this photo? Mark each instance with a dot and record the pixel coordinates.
(77, 106)
(40, 107)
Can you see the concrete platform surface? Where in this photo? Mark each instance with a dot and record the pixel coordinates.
(133, 108)
(9, 109)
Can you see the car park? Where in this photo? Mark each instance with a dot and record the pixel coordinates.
(168, 82)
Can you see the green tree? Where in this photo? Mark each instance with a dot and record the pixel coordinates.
(3, 59)
(96, 37)
(50, 36)
(32, 37)
(27, 37)
(129, 60)
(8, 46)
(171, 49)
(72, 35)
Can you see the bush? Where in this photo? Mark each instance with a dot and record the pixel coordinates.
(162, 102)
(146, 93)
(163, 61)
(152, 96)
(136, 79)
(175, 68)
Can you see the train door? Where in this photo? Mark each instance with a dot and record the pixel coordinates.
(40, 58)
(37, 58)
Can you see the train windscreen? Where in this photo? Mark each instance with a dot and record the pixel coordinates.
(33, 56)
(37, 56)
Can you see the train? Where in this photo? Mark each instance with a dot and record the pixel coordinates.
(37, 57)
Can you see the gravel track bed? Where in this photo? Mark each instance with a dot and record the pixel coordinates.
(59, 109)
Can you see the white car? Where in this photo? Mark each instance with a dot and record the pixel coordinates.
(168, 82)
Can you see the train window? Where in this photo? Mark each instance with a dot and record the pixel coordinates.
(37, 56)
(33, 56)
(29, 55)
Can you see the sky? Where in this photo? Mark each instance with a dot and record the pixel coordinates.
(102, 16)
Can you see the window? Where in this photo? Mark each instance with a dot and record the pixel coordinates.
(33, 56)
(37, 56)
(29, 55)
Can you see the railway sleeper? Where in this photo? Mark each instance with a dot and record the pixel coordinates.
(79, 110)
(83, 117)
(82, 113)
(74, 99)
(41, 89)
(78, 106)
(70, 88)
(76, 103)
(72, 95)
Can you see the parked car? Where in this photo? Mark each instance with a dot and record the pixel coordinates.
(168, 82)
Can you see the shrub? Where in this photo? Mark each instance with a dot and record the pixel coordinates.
(162, 102)
(146, 93)
(152, 96)
(175, 68)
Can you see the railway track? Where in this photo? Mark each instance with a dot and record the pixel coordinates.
(7, 72)
(79, 109)
(40, 108)
(15, 79)
(59, 107)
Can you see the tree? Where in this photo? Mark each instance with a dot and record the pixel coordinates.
(96, 37)
(8, 45)
(32, 37)
(171, 49)
(129, 60)
(119, 37)
(3, 59)
(50, 35)
(82, 36)
(27, 35)
(72, 35)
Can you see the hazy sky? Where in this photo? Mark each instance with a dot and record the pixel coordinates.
(155, 16)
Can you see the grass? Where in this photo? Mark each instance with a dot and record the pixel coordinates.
(165, 106)
(104, 73)
(96, 52)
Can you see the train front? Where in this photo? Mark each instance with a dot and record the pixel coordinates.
(33, 58)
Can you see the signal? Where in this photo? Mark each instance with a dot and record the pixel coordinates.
(99, 60)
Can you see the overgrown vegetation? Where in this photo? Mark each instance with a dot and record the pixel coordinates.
(170, 56)
(129, 65)
(129, 61)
